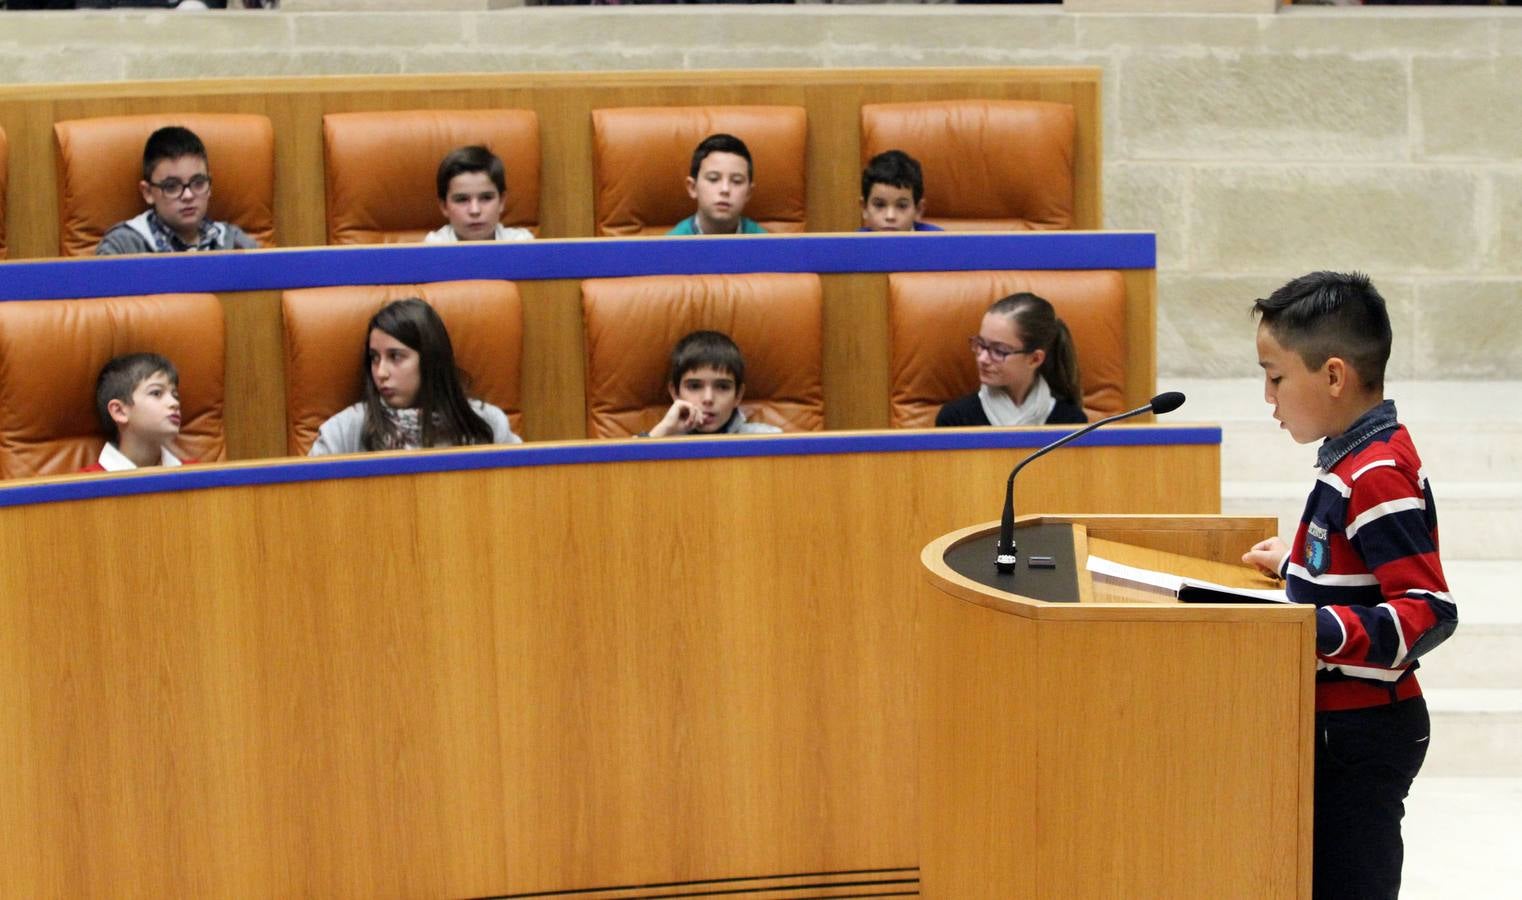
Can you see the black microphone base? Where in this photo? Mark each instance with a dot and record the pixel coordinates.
(973, 560)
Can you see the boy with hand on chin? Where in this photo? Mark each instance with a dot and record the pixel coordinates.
(720, 180)
(707, 383)
(137, 398)
(1366, 554)
(472, 184)
(893, 194)
(176, 186)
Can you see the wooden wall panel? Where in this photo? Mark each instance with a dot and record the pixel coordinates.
(488, 681)
(563, 102)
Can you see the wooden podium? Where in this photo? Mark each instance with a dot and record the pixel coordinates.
(1078, 742)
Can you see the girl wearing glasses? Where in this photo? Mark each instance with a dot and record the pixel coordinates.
(1028, 368)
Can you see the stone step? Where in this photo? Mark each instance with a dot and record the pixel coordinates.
(1461, 837)
(1477, 520)
(1419, 402)
(1464, 431)
(1475, 732)
(1258, 450)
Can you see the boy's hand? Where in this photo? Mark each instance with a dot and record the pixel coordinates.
(681, 418)
(1268, 556)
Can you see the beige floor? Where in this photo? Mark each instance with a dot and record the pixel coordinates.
(1463, 838)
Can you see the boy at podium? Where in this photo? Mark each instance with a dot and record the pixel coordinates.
(1366, 555)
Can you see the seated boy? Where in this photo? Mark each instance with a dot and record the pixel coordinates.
(472, 188)
(137, 398)
(1366, 554)
(176, 186)
(707, 382)
(893, 194)
(721, 180)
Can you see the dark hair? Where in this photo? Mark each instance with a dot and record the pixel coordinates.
(1327, 314)
(118, 380)
(444, 411)
(706, 349)
(171, 142)
(722, 143)
(1039, 328)
(474, 158)
(896, 169)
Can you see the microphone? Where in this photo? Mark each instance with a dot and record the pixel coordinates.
(1004, 553)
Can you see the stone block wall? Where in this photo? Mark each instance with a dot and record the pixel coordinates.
(1257, 146)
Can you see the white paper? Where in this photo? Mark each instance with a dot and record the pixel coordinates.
(1174, 583)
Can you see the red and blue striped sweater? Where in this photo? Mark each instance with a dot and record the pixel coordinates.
(1366, 553)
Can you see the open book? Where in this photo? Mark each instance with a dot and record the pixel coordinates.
(1187, 590)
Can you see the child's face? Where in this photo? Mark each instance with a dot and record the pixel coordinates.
(180, 206)
(395, 369)
(890, 208)
(153, 415)
(1016, 372)
(1303, 399)
(713, 392)
(722, 188)
(473, 206)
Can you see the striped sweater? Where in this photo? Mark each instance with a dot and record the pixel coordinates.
(1366, 553)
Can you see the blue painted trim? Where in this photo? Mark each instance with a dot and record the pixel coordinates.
(603, 258)
(193, 478)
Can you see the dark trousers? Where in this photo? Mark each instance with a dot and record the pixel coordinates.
(1365, 762)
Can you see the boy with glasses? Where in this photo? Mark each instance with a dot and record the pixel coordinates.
(176, 186)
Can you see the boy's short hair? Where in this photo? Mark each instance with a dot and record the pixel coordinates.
(894, 168)
(1327, 314)
(706, 349)
(473, 158)
(170, 142)
(118, 380)
(722, 143)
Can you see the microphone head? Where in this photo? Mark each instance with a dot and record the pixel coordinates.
(1167, 402)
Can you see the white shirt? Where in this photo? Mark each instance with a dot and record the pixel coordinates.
(113, 460)
(446, 235)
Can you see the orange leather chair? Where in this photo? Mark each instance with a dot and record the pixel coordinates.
(5, 170)
(931, 315)
(990, 165)
(325, 344)
(382, 169)
(100, 162)
(51, 352)
(632, 324)
(641, 157)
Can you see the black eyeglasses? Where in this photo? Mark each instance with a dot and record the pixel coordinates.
(174, 187)
(996, 352)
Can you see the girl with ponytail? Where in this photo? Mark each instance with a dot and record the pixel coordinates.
(1028, 368)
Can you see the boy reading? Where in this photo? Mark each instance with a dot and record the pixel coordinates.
(707, 382)
(176, 186)
(472, 187)
(720, 180)
(137, 398)
(1366, 554)
(893, 194)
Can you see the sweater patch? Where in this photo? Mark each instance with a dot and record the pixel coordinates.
(1318, 550)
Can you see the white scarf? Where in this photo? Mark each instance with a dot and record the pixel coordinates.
(1002, 410)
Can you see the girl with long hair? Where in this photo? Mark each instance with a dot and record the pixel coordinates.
(414, 395)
